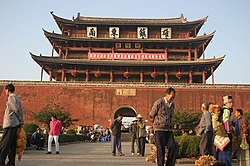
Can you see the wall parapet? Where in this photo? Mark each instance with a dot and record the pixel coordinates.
(126, 85)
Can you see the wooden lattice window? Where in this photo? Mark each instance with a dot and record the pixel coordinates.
(127, 45)
(137, 45)
(118, 45)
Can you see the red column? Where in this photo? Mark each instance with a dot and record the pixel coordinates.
(189, 55)
(195, 55)
(63, 75)
(190, 77)
(60, 51)
(203, 50)
(166, 52)
(67, 52)
(111, 76)
(141, 77)
(50, 75)
(212, 72)
(203, 77)
(87, 76)
(166, 77)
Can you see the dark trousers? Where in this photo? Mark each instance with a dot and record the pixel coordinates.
(225, 155)
(215, 154)
(163, 139)
(206, 143)
(116, 144)
(134, 141)
(39, 143)
(141, 143)
(8, 146)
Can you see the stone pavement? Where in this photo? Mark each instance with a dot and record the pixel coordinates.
(87, 154)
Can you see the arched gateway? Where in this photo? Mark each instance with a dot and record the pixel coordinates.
(126, 111)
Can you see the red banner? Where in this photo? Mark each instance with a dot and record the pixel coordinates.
(126, 56)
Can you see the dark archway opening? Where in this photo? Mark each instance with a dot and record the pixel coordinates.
(126, 112)
(128, 115)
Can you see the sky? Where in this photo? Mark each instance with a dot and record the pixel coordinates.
(21, 23)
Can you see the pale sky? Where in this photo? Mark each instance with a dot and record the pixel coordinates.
(21, 23)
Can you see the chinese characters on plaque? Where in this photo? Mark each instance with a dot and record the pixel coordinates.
(166, 33)
(142, 32)
(114, 32)
(92, 32)
(125, 92)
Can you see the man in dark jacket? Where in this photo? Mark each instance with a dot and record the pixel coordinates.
(242, 133)
(161, 115)
(116, 135)
(134, 135)
(37, 139)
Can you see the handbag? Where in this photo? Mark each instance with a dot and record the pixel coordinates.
(244, 145)
(221, 142)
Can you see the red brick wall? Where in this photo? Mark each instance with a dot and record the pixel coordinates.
(92, 104)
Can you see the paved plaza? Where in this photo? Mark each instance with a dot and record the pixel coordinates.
(87, 154)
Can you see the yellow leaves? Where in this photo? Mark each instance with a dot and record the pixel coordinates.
(21, 142)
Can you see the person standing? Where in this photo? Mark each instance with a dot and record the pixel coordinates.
(241, 131)
(225, 155)
(13, 118)
(206, 131)
(115, 129)
(161, 115)
(217, 126)
(134, 139)
(54, 133)
(142, 134)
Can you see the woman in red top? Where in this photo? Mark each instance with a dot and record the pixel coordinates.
(55, 129)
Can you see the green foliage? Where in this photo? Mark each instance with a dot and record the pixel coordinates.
(70, 138)
(44, 116)
(247, 116)
(187, 119)
(188, 146)
(30, 127)
(28, 135)
(71, 132)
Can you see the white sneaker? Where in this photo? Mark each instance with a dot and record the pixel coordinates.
(133, 154)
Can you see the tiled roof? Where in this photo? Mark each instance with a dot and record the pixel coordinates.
(127, 21)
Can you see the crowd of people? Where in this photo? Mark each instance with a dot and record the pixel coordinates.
(95, 134)
(224, 132)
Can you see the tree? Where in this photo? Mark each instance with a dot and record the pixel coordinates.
(187, 119)
(44, 116)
